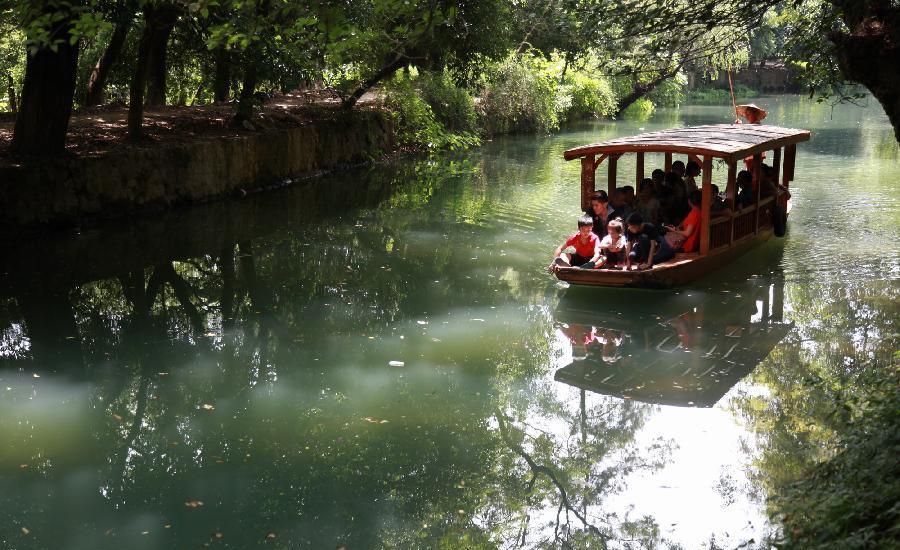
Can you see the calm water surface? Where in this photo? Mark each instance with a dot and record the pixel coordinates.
(380, 360)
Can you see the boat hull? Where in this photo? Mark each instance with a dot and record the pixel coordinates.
(683, 269)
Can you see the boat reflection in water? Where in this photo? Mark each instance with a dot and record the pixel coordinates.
(682, 350)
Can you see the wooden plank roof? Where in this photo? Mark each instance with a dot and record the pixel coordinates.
(728, 141)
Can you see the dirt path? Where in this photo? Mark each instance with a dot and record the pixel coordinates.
(99, 130)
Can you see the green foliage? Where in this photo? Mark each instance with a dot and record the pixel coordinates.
(640, 109)
(12, 61)
(828, 421)
(671, 93)
(416, 125)
(520, 95)
(453, 106)
(852, 500)
(589, 97)
(722, 95)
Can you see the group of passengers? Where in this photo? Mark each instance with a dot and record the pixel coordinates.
(637, 231)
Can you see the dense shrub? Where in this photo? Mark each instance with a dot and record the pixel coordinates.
(641, 109)
(416, 126)
(670, 92)
(520, 95)
(453, 106)
(587, 97)
(722, 95)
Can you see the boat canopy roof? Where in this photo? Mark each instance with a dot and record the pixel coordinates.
(728, 141)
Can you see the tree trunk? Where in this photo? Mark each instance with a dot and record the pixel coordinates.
(248, 88)
(222, 78)
(138, 83)
(165, 19)
(864, 55)
(11, 92)
(385, 72)
(47, 94)
(640, 90)
(156, 19)
(97, 83)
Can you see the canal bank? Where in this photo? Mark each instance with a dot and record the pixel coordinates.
(67, 191)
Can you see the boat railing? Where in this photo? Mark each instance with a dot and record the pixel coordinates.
(765, 212)
(745, 222)
(719, 233)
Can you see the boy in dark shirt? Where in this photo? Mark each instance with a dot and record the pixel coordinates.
(617, 207)
(646, 245)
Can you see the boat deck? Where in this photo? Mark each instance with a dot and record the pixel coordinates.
(684, 267)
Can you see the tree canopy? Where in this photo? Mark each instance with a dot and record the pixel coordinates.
(62, 54)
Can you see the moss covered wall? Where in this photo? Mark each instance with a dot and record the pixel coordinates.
(65, 191)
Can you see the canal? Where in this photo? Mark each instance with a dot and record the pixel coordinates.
(378, 359)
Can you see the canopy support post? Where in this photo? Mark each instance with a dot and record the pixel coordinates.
(790, 155)
(611, 174)
(668, 163)
(757, 177)
(587, 180)
(731, 194)
(776, 164)
(639, 172)
(705, 205)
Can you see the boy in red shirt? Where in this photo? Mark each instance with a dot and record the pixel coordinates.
(580, 250)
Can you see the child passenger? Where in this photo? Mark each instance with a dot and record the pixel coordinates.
(580, 250)
(646, 245)
(613, 245)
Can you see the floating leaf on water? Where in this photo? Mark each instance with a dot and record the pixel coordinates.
(36, 375)
(25, 530)
(271, 536)
(217, 535)
(194, 503)
(422, 322)
(396, 363)
(117, 417)
(207, 407)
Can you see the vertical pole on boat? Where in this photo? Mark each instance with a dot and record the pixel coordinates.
(611, 174)
(776, 163)
(668, 163)
(639, 172)
(757, 177)
(790, 154)
(731, 193)
(776, 167)
(587, 180)
(705, 204)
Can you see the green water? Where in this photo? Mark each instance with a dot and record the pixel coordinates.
(378, 359)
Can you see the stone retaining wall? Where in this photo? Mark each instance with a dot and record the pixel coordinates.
(67, 191)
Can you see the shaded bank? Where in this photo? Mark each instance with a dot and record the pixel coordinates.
(63, 191)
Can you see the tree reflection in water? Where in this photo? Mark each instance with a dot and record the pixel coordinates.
(228, 380)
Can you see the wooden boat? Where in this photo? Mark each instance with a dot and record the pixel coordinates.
(722, 239)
